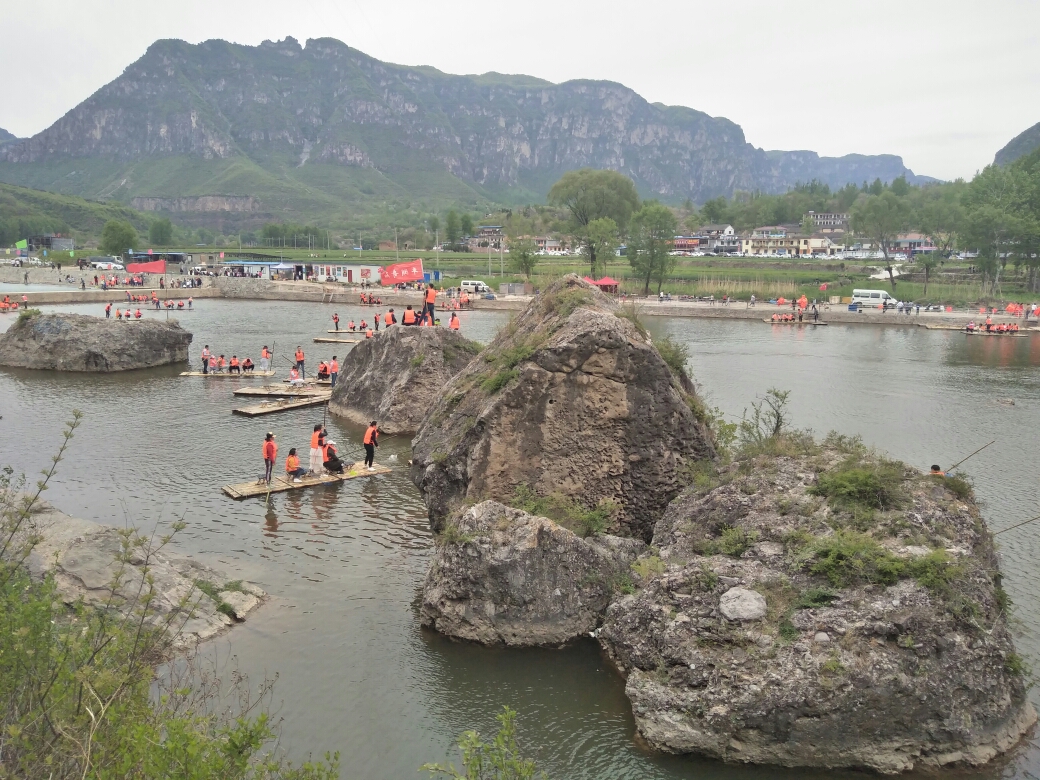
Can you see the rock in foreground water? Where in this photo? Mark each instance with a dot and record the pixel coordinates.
(503, 576)
(822, 609)
(76, 342)
(573, 399)
(397, 376)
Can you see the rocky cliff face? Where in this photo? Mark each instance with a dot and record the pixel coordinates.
(203, 203)
(830, 609)
(571, 399)
(328, 104)
(503, 576)
(76, 342)
(397, 376)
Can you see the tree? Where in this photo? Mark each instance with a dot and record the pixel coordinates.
(160, 232)
(435, 224)
(715, 210)
(653, 228)
(590, 196)
(997, 205)
(899, 187)
(940, 220)
(881, 218)
(599, 243)
(117, 237)
(452, 227)
(466, 224)
(808, 225)
(523, 255)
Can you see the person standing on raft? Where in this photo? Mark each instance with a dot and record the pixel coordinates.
(299, 362)
(333, 371)
(265, 359)
(317, 445)
(371, 441)
(270, 451)
(429, 304)
(335, 320)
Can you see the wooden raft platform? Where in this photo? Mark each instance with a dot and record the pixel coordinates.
(1005, 334)
(281, 391)
(320, 340)
(282, 405)
(807, 322)
(281, 483)
(344, 332)
(226, 375)
(312, 382)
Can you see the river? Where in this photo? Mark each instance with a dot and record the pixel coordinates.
(344, 564)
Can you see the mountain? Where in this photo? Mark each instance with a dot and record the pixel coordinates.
(1019, 146)
(326, 131)
(6, 136)
(25, 212)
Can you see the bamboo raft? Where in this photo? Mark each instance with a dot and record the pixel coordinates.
(345, 332)
(280, 391)
(338, 341)
(807, 322)
(225, 374)
(280, 484)
(984, 333)
(312, 381)
(282, 405)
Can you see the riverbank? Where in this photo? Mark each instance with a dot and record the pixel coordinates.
(335, 293)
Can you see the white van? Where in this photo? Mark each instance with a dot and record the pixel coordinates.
(475, 287)
(873, 298)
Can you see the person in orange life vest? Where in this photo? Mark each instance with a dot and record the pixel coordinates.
(235, 368)
(429, 304)
(108, 309)
(453, 323)
(389, 318)
(180, 304)
(330, 459)
(212, 363)
(294, 377)
(369, 334)
(270, 450)
(317, 443)
(371, 441)
(409, 316)
(247, 366)
(323, 370)
(376, 320)
(293, 468)
(333, 370)
(363, 325)
(299, 363)
(221, 363)
(335, 320)
(265, 359)
(989, 324)
(350, 325)
(971, 326)
(119, 314)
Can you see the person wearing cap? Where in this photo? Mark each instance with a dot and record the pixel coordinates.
(270, 451)
(330, 459)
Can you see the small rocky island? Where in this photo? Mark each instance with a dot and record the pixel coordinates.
(800, 603)
(77, 342)
(396, 377)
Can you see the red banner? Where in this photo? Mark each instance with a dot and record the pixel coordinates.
(154, 267)
(401, 272)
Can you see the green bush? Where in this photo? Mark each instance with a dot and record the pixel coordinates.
(565, 302)
(649, 566)
(499, 759)
(847, 558)
(25, 314)
(631, 313)
(492, 384)
(732, 541)
(814, 597)
(877, 486)
(565, 511)
(417, 361)
(959, 485)
(673, 353)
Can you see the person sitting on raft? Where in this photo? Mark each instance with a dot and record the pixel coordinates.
(293, 469)
(221, 364)
(234, 368)
(971, 326)
(351, 325)
(323, 370)
(294, 377)
(363, 325)
(137, 314)
(247, 366)
(409, 317)
(330, 459)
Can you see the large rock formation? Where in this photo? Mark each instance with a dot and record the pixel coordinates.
(84, 560)
(76, 342)
(396, 377)
(827, 610)
(503, 576)
(572, 398)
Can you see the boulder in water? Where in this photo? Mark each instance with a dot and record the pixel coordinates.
(503, 576)
(396, 377)
(77, 342)
(571, 399)
(822, 609)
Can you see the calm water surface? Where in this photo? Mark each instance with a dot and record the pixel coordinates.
(344, 564)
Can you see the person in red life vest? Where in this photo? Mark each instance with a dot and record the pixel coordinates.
(323, 370)
(294, 377)
(317, 444)
(180, 304)
(333, 370)
(234, 368)
(362, 325)
(330, 458)
(265, 359)
(221, 364)
(137, 314)
(292, 467)
(350, 325)
(299, 363)
(270, 451)
(371, 441)
(119, 314)
(335, 320)
(453, 323)
(409, 316)
(430, 302)
(247, 366)
(376, 320)
(213, 364)
(369, 334)
(108, 309)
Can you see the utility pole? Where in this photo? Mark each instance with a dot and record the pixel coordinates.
(397, 246)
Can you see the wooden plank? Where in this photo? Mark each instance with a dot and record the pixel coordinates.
(339, 341)
(282, 390)
(226, 375)
(343, 332)
(281, 483)
(312, 381)
(813, 324)
(270, 407)
(1005, 334)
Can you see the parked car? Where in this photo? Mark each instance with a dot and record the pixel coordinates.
(109, 266)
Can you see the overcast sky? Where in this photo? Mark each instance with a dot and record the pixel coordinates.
(943, 83)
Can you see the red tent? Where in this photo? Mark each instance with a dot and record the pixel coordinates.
(153, 267)
(607, 285)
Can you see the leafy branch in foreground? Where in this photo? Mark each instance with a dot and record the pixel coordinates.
(499, 759)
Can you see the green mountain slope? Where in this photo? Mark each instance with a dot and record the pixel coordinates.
(25, 211)
(1019, 146)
